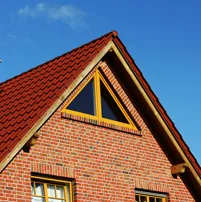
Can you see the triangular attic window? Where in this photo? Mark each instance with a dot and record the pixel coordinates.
(97, 101)
(110, 109)
(84, 101)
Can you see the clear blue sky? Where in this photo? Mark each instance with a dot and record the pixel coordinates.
(164, 38)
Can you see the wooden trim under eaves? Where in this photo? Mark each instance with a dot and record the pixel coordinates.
(178, 169)
(31, 142)
(155, 110)
(54, 107)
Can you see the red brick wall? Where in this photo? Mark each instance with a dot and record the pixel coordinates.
(107, 164)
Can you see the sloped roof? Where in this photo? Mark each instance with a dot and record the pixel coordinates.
(25, 98)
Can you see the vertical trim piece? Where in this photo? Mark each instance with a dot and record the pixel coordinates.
(45, 192)
(97, 95)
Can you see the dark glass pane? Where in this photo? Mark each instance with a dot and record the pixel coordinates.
(158, 200)
(110, 109)
(137, 198)
(84, 101)
(32, 188)
(151, 199)
(143, 199)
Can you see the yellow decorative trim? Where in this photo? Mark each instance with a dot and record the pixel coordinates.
(98, 94)
(50, 179)
(97, 77)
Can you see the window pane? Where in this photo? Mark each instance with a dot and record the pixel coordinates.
(60, 191)
(51, 191)
(151, 199)
(68, 192)
(158, 200)
(55, 200)
(84, 101)
(143, 199)
(110, 109)
(39, 189)
(37, 199)
(137, 198)
(32, 188)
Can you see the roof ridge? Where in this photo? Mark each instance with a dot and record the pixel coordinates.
(113, 33)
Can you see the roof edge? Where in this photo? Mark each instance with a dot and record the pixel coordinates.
(113, 34)
(53, 107)
(146, 86)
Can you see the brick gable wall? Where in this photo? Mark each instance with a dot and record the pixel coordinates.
(107, 164)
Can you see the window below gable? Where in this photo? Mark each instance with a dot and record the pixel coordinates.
(97, 101)
(51, 190)
(146, 196)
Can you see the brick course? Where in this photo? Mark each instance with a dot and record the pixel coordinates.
(107, 164)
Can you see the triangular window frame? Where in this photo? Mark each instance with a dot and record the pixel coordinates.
(97, 78)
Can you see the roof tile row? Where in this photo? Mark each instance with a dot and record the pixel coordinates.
(25, 98)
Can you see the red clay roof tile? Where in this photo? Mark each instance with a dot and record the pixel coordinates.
(25, 98)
